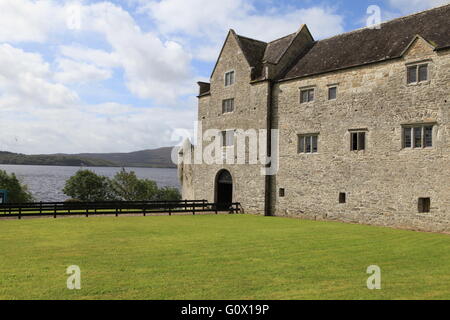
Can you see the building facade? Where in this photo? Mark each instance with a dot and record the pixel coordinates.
(362, 125)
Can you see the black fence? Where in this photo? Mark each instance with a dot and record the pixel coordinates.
(55, 209)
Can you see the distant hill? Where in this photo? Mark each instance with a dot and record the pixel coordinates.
(157, 158)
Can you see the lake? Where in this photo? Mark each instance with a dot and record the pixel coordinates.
(46, 182)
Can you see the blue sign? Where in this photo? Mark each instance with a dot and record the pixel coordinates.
(3, 196)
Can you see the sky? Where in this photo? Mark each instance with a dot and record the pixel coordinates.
(120, 76)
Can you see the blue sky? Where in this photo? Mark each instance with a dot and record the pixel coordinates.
(107, 76)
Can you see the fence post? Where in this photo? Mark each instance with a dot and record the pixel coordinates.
(87, 212)
(117, 211)
(193, 208)
(185, 205)
(40, 207)
(20, 213)
(54, 216)
(144, 210)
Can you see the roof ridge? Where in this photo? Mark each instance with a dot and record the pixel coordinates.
(250, 38)
(386, 22)
(289, 35)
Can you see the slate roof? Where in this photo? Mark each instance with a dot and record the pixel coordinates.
(371, 45)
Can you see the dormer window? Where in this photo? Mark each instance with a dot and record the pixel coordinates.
(229, 78)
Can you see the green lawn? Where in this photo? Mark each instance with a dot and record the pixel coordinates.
(218, 257)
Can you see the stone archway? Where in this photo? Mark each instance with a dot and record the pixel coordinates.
(224, 190)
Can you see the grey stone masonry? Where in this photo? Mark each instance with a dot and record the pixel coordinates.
(385, 181)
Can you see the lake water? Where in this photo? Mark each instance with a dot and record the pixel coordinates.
(46, 182)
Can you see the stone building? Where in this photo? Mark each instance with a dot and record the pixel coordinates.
(362, 120)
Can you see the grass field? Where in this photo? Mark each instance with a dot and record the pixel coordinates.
(218, 257)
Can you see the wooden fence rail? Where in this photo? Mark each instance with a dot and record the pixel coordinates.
(87, 209)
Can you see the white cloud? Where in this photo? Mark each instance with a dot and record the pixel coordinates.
(23, 20)
(38, 115)
(207, 21)
(409, 6)
(70, 71)
(27, 77)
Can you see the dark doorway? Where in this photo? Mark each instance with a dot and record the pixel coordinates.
(224, 190)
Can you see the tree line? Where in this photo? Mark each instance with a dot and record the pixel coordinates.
(88, 186)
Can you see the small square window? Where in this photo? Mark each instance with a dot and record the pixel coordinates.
(332, 93)
(342, 197)
(227, 105)
(227, 138)
(358, 141)
(424, 205)
(417, 73)
(282, 192)
(308, 143)
(306, 95)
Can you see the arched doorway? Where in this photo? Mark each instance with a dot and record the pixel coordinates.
(224, 190)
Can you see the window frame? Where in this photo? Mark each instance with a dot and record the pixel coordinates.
(224, 140)
(224, 101)
(311, 137)
(417, 67)
(412, 136)
(226, 84)
(308, 90)
(329, 90)
(359, 146)
(424, 205)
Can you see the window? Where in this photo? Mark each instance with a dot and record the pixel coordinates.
(417, 73)
(229, 78)
(308, 143)
(227, 138)
(358, 141)
(419, 136)
(227, 105)
(342, 197)
(306, 95)
(332, 93)
(424, 205)
(282, 192)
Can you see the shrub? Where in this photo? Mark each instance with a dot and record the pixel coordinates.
(169, 194)
(85, 185)
(126, 186)
(17, 192)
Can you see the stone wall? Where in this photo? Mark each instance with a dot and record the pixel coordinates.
(249, 113)
(382, 183)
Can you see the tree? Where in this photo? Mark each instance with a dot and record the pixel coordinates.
(85, 185)
(168, 194)
(17, 192)
(126, 186)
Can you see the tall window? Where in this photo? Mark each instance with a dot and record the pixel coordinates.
(308, 143)
(227, 105)
(306, 95)
(358, 140)
(417, 73)
(229, 78)
(227, 138)
(419, 136)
